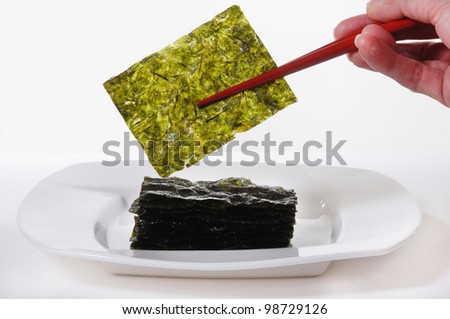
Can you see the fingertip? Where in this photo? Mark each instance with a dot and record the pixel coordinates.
(369, 48)
(342, 29)
(337, 32)
(360, 41)
(351, 26)
(371, 6)
(368, 45)
(380, 33)
(383, 10)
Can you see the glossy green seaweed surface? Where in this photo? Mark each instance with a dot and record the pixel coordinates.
(157, 96)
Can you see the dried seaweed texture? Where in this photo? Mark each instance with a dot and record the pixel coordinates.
(233, 213)
(157, 96)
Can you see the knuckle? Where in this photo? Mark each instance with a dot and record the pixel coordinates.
(415, 77)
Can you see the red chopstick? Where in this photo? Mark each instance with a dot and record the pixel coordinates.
(325, 53)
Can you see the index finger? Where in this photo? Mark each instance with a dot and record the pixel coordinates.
(435, 12)
(426, 11)
(351, 25)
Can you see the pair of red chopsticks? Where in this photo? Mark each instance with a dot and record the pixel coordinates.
(325, 53)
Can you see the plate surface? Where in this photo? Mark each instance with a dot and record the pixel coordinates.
(343, 213)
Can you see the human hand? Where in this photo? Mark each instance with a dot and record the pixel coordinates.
(422, 66)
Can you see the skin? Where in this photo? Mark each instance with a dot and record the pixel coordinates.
(422, 67)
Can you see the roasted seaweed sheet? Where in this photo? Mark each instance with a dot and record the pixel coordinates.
(233, 213)
(157, 96)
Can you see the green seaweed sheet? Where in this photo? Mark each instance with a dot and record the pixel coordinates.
(157, 96)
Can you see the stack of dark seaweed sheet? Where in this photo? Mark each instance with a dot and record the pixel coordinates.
(232, 213)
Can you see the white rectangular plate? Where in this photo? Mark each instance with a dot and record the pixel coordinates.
(82, 211)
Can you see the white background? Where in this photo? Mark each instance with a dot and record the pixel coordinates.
(55, 55)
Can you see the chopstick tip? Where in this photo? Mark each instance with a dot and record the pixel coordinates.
(201, 104)
(206, 101)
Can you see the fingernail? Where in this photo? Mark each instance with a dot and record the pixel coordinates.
(357, 39)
